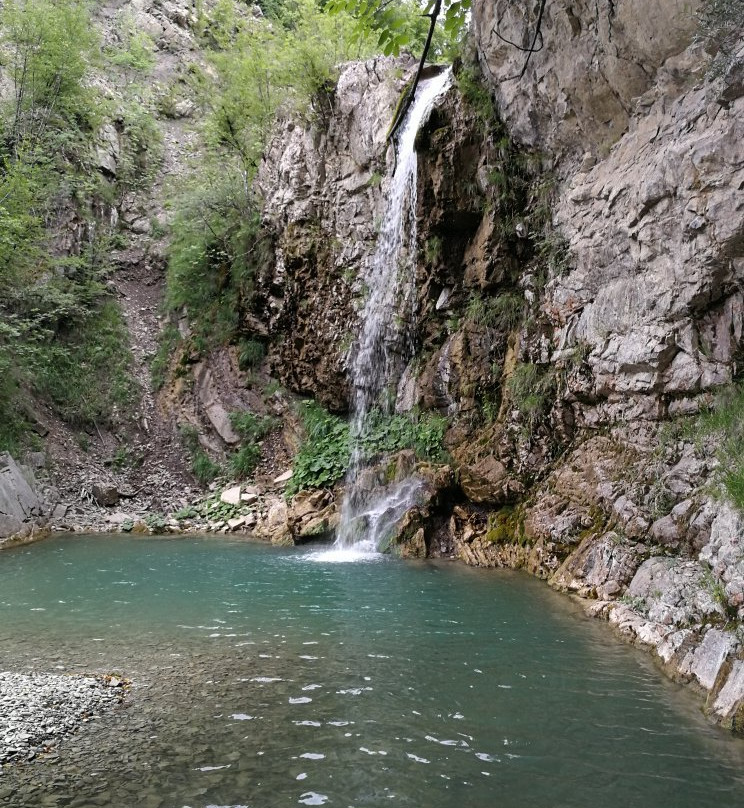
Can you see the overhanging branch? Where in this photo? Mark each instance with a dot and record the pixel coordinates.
(411, 94)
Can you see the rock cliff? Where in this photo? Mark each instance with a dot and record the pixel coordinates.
(580, 264)
(581, 252)
(25, 508)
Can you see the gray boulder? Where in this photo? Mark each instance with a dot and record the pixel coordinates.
(21, 508)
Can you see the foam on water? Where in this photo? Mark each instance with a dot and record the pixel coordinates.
(363, 551)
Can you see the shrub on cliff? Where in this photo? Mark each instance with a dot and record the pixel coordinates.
(325, 453)
(62, 337)
(721, 26)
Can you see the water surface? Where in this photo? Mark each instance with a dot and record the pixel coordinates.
(276, 677)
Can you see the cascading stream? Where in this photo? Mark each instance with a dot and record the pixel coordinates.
(384, 345)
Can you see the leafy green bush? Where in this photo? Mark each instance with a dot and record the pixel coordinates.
(214, 252)
(141, 153)
(324, 455)
(48, 45)
(12, 422)
(85, 371)
(383, 434)
(135, 50)
(401, 25)
(288, 60)
(63, 338)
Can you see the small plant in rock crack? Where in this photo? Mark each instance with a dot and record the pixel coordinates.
(717, 591)
(202, 466)
(250, 426)
(250, 354)
(724, 423)
(532, 388)
(504, 312)
(243, 463)
(433, 249)
(637, 603)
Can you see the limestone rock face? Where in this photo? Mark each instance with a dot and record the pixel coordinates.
(321, 186)
(649, 150)
(674, 591)
(724, 553)
(590, 66)
(656, 232)
(600, 567)
(21, 508)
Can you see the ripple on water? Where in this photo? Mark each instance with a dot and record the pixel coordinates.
(441, 722)
(312, 798)
(211, 805)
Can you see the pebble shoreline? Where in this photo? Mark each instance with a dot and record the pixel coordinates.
(39, 709)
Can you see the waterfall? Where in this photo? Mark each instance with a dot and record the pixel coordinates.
(385, 343)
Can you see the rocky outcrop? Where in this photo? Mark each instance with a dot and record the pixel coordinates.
(591, 64)
(649, 150)
(646, 145)
(579, 284)
(22, 509)
(322, 187)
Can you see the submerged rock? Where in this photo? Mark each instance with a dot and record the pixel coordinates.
(41, 708)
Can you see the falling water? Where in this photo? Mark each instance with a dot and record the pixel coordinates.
(385, 343)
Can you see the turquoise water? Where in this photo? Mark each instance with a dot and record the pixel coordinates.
(265, 677)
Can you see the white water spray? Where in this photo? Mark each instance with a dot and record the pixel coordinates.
(384, 345)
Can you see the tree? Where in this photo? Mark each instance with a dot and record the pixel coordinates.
(399, 24)
(392, 20)
(48, 46)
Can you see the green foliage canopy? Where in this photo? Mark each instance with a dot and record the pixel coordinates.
(285, 61)
(403, 25)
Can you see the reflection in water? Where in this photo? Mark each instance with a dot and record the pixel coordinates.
(267, 676)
